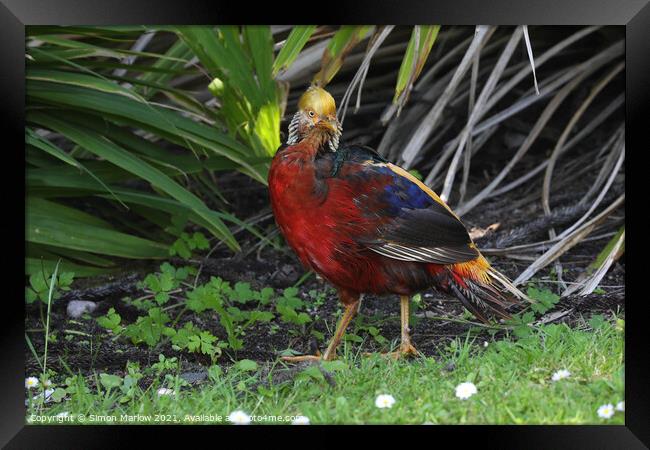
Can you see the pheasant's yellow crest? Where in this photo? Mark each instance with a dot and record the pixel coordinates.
(318, 100)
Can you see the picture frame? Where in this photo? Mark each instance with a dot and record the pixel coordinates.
(634, 15)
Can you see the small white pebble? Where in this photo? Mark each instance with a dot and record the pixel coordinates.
(77, 308)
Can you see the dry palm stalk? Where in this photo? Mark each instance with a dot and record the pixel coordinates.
(491, 124)
(587, 68)
(541, 246)
(362, 72)
(559, 217)
(472, 102)
(593, 275)
(430, 121)
(557, 48)
(390, 111)
(568, 242)
(595, 122)
(614, 172)
(609, 162)
(489, 86)
(529, 49)
(554, 82)
(507, 87)
(565, 134)
(614, 254)
(555, 154)
(400, 129)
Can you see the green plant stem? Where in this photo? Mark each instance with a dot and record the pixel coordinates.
(47, 324)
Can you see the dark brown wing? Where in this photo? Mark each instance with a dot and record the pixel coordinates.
(416, 225)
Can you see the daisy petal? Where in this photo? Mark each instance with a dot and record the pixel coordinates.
(384, 401)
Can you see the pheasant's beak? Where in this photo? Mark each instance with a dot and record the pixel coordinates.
(330, 125)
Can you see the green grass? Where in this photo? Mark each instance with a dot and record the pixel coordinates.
(513, 378)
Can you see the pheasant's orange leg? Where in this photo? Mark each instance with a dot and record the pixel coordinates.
(348, 315)
(405, 348)
(330, 353)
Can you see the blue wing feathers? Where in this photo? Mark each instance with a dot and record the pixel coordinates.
(402, 193)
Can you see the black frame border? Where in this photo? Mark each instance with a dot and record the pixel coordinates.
(633, 14)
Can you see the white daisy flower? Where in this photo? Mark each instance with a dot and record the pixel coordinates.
(465, 390)
(31, 382)
(239, 417)
(561, 374)
(606, 411)
(63, 414)
(620, 406)
(300, 420)
(384, 401)
(165, 391)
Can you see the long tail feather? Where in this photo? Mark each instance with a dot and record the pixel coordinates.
(482, 298)
(507, 284)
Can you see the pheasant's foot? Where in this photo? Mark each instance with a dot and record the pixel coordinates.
(405, 350)
(327, 356)
(300, 358)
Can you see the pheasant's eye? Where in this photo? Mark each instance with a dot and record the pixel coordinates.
(311, 114)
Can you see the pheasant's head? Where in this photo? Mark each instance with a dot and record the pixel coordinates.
(316, 117)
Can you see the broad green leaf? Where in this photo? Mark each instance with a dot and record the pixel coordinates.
(64, 212)
(108, 33)
(242, 80)
(110, 381)
(37, 141)
(345, 39)
(415, 57)
(164, 70)
(75, 79)
(165, 123)
(45, 251)
(45, 226)
(246, 365)
(295, 42)
(267, 127)
(100, 51)
(221, 52)
(106, 149)
(606, 251)
(77, 185)
(260, 47)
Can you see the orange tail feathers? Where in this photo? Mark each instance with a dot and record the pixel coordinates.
(483, 290)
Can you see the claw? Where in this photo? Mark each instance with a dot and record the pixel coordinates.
(404, 351)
